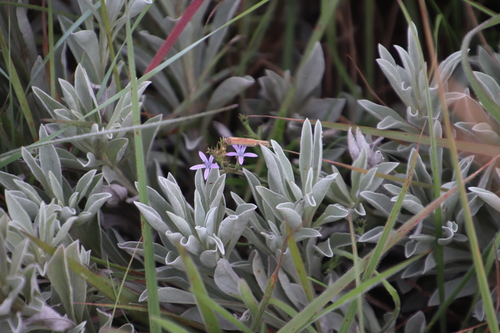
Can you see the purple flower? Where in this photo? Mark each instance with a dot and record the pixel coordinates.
(240, 153)
(207, 164)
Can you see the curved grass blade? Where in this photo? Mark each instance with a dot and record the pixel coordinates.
(198, 289)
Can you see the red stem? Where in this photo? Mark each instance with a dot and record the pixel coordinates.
(174, 35)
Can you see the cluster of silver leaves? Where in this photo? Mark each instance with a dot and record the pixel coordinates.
(409, 83)
(297, 197)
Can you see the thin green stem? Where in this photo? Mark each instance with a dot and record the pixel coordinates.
(291, 21)
(147, 235)
(52, 55)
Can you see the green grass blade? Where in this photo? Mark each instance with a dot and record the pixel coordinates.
(146, 229)
(169, 325)
(198, 289)
(210, 303)
(18, 88)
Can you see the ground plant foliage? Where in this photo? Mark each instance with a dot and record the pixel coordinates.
(253, 166)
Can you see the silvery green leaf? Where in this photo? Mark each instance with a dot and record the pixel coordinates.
(284, 162)
(211, 221)
(115, 149)
(340, 239)
(339, 190)
(136, 6)
(35, 169)
(85, 48)
(360, 162)
(275, 178)
(136, 249)
(214, 240)
(49, 160)
(152, 217)
(59, 275)
(332, 213)
(9, 181)
(228, 90)
(226, 279)
(253, 183)
(489, 197)
(174, 195)
(56, 188)
(416, 324)
(78, 284)
(317, 158)
(272, 199)
(306, 150)
(95, 201)
(448, 65)
(17, 212)
(28, 205)
(305, 233)
(489, 63)
(422, 238)
(216, 189)
(48, 319)
(450, 286)
(489, 85)
(232, 227)
(411, 203)
(367, 179)
(209, 258)
(158, 203)
(486, 134)
(63, 232)
(384, 168)
(294, 292)
(310, 74)
(84, 184)
(393, 75)
(259, 271)
(48, 102)
(70, 95)
(190, 243)
(324, 248)
(389, 118)
(171, 295)
(199, 212)
(373, 235)
(181, 224)
(382, 203)
(16, 258)
(92, 161)
(291, 217)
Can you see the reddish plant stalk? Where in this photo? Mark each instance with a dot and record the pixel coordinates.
(174, 35)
